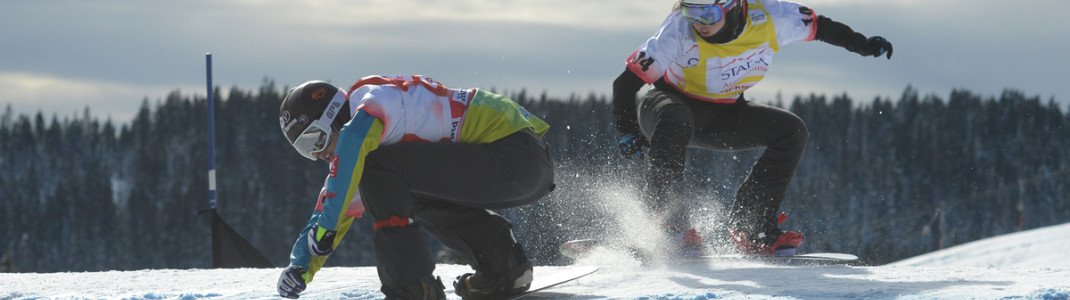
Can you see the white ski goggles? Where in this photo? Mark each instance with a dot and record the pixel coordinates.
(317, 135)
(707, 14)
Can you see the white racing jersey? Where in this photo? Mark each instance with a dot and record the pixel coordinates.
(719, 73)
(412, 108)
(419, 109)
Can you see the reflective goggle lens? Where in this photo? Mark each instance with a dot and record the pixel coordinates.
(707, 14)
(313, 139)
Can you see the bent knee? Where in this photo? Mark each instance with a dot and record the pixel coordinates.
(793, 132)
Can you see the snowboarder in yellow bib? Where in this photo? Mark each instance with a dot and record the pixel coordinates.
(701, 60)
(417, 155)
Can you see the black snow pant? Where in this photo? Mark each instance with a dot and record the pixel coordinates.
(672, 122)
(448, 189)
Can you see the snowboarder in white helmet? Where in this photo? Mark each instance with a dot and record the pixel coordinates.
(417, 155)
(701, 60)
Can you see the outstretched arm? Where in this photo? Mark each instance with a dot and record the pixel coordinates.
(840, 34)
(337, 206)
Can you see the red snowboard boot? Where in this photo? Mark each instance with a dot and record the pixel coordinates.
(774, 243)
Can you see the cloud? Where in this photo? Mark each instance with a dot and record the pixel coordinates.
(31, 93)
(583, 14)
(116, 53)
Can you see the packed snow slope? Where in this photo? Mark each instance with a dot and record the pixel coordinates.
(1025, 265)
(1038, 248)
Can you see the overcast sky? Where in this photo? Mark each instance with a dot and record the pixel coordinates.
(62, 56)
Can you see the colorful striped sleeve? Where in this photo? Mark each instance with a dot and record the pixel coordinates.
(339, 202)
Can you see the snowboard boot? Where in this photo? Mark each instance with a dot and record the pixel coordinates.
(772, 242)
(502, 270)
(428, 288)
(683, 239)
(688, 243)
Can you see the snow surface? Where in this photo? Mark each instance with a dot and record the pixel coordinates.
(1025, 265)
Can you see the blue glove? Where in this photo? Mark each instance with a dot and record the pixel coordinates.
(291, 284)
(877, 47)
(320, 241)
(633, 145)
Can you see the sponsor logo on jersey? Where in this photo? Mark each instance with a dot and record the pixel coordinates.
(692, 57)
(757, 17)
(725, 73)
(456, 122)
(743, 67)
(462, 96)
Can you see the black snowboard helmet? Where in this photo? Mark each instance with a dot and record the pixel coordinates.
(309, 113)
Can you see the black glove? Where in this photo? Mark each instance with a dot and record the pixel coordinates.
(633, 145)
(877, 46)
(291, 282)
(320, 241)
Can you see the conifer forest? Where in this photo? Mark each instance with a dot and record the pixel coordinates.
(885, 179)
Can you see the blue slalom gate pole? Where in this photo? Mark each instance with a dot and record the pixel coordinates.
(211, 133)
(229, 248)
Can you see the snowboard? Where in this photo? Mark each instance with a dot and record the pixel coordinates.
(808, 259)
(579, 249)
(543, 282)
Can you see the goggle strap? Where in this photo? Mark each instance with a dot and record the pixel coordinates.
(326, 119)
(332, 109)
